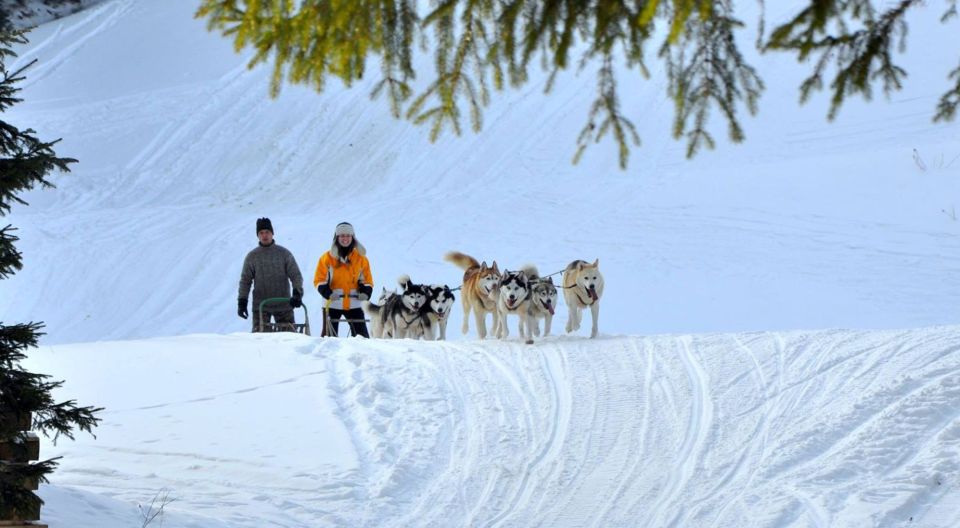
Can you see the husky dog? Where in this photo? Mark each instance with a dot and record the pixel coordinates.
(543, 301)
(401, 313)
(514, 299)
(583, 287)
(479, 292)
(373, 310)
(439, 301)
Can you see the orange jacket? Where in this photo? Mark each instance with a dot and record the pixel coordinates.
(345, 274)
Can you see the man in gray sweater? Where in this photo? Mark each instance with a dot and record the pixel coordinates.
(271, 269)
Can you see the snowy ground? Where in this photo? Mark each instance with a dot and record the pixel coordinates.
(829, 428)
(741, 413)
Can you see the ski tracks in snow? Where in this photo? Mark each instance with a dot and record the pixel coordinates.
(714, 430)
(831, 428)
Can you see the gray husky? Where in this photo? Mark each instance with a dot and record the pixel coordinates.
(543, 301)
(373, 310)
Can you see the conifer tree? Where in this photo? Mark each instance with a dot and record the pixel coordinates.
(483, 44)
(26, 401)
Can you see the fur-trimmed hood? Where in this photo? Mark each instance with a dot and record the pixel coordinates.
(357, 247)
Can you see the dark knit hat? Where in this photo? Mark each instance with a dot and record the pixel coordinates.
(264, 223)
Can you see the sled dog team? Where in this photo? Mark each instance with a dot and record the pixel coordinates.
(421, 311)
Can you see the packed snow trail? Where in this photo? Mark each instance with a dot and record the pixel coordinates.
(829, 428)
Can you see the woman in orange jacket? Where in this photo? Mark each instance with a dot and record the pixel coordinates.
(343, 278)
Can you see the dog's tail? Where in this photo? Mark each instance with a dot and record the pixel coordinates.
(461, 260)
(531, 272)
(404, 280)
(372, 309)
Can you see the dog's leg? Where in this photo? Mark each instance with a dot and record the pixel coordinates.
(466, 314)
(547, 321)
(480, 316)
(595, 312)
(443, 329)
(531, 324)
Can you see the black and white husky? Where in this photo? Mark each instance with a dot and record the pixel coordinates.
(401, 313)
(439, 302)
(514, 299)
(543, 301)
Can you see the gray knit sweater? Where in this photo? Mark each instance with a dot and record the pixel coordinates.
(271, 269)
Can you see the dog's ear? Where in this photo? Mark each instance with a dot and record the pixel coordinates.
(483, 265)
(580, 264)
(550, 280)
(494, 267)
(596, 263)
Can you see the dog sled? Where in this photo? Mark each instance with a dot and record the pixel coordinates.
(268, 326)
(327, 328)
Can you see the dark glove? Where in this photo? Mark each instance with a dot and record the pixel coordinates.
(364, 291)
(324, 290)
(297, 300)
(242, 308)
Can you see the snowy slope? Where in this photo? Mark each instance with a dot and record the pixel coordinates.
(829, 428)
(807, 225)
(735, 416)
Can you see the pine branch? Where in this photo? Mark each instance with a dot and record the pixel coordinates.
(947, 107)
(707, 71)
(607, 105)
(860, 57)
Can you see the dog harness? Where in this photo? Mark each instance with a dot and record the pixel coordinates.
(575, 292)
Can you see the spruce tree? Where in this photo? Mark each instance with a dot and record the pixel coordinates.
(483, 44)
(26, 400)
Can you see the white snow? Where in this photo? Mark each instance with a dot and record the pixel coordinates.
(778, 343)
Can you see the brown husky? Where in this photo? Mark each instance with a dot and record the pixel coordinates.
(583, 287)
(479, 290)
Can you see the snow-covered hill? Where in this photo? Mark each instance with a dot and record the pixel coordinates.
(737, 416)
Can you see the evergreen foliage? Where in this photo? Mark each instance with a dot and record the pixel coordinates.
(483, 44)
(25, 161)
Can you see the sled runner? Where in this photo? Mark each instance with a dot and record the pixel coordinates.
(300, 328)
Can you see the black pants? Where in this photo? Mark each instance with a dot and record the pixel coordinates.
(280, 318)
(358, 328)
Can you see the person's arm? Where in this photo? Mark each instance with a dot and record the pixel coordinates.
(321, 277)
(246, 279)
(296, 278)
(365, 281)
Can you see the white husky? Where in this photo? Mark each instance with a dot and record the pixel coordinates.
(583, 288)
